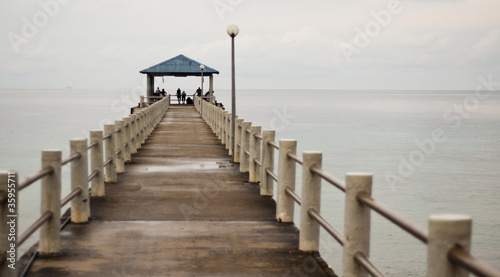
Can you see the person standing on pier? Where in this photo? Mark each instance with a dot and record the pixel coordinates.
(183, 97)
(178, 95)
(156, 94)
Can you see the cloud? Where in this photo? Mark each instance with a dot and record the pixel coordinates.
(488, 46)
(281, 43)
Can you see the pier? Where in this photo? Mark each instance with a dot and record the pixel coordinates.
(166, 199)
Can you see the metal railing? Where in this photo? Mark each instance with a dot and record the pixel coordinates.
(447, 237)
(109, 150)
(149, 100)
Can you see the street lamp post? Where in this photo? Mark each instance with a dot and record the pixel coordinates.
(202, 67)
(233, 31)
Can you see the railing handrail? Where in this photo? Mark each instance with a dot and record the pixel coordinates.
(294, 157)
(35, 177)
(394, 217)
(35, 226)
(329, 178)
(327, 226)
(215, 116)
(466, 260)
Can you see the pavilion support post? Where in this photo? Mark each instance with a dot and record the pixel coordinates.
(151, 85)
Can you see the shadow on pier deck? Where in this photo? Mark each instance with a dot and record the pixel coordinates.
(181, 209)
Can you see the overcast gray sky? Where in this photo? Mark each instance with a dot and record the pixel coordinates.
(319, 44)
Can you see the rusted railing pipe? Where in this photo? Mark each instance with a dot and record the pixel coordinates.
(290, 192)
(296, 158)
(44, 218)
(274, 145)
(464, 259)
(35, 177)
(70, 196)
(329, 178)
(362, 260)
(329, 228)
(393, 216)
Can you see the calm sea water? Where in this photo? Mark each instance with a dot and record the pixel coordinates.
(430, 152)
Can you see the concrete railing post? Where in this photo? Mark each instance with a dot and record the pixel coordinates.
(50, 239)
(211, 118)
(253, 170)
(266, 181)
(137, 137)
(237, 140)
(143, 126)
(133, 133)
(245, 138)
(223, 129)
(97, 163)
(8, 222)
(357, 223)
(286, 179)
(127, 156)
(446, 231)
(150, 121)
(311, 199)
(221, 124)
(147, 124)
(215, 119)
(80, 208)
(110, 176)
(215, 115)
(140, 128)
(229, 131)
(119, 158)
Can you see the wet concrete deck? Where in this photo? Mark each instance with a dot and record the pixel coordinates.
(181, 209)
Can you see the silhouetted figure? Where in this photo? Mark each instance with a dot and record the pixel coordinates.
(156, 94)
(178, 95)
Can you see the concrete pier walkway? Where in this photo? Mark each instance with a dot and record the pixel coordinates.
(181, 209)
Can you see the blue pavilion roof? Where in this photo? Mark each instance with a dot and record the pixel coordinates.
(179, 66)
